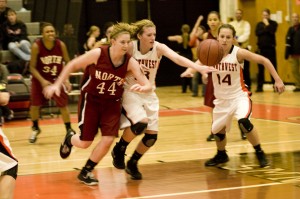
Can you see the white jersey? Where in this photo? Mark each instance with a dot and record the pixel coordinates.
(149, 63)
(228, 80)
(7, 159)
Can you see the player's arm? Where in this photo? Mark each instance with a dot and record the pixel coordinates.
(182, 61)
(143, 83)
(76, 64)
(243, 54)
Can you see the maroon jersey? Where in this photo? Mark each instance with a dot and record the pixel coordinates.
(103, 79)
(209, 91)
(49, 62)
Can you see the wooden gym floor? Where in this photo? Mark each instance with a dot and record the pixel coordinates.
(174, 167)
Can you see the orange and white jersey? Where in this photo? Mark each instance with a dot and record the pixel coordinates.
(149, 63)
(228, 80)
(7, 159)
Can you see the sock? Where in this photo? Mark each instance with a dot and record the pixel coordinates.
(35, 124)
(68, 125)
(89, 165)
(135, 157)
(122, 145)
(257, 147)
(222, 152)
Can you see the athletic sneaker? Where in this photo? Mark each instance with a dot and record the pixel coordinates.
(133, 170)
(35, 132)
(211, 137)
(118, 157)
(87, 178)
(261, 157)
(218, 159)
(65, 147)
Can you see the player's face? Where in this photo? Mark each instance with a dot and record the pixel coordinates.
(225, 38)
(147, 38)
(121, 42)
(213, 21)
(49, 33)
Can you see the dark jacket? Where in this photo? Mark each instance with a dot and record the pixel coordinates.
(13, 37)
(266, 34)
(292, 45)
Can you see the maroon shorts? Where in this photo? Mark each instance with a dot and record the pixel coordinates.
(38, 98)
(95, 113)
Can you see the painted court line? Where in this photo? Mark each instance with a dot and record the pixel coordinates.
(207, 191)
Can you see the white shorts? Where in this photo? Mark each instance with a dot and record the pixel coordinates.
(138, 106)
(7, 160)
(225, 110)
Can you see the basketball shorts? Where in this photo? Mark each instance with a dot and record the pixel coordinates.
(227, 109)
(38, 98)
(138, 106)
(95, 113)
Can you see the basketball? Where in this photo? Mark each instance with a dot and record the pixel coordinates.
(210, 52)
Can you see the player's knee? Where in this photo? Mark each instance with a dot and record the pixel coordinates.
(245, 125)
(149, 139)
(13, 172)
(139, 128)
(219, 137)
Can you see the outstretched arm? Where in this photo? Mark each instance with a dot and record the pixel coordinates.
(182, 61)
(243, 54)
(76, 64)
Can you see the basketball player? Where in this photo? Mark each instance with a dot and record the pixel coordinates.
(8, 163)
(141, 110)
(48, 56)
(232, 96)
(101, 92)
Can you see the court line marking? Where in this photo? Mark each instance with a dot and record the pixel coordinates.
(167, 152)
(207, 191)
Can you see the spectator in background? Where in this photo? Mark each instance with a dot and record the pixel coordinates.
(243, 29)
(3, 18)
(196, 37)
(266, 42)
(93, 34)
(292, 51)
(107, 29)
(69, 38)
(16, 32)
(184, 50)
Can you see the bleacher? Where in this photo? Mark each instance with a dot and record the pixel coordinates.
(19, 86)
(33, 28)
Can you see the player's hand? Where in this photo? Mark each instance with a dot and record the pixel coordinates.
(68, 86)
(279, 87)
(204, 78)
(186, 73)
(139, 88)
(50, 90)
(205, 69)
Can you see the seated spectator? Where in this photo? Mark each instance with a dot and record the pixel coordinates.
(16, 32)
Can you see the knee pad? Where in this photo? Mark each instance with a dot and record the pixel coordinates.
(13, 172)
(139, 128)
(219, 137)
(245, 125)
(149, 139)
